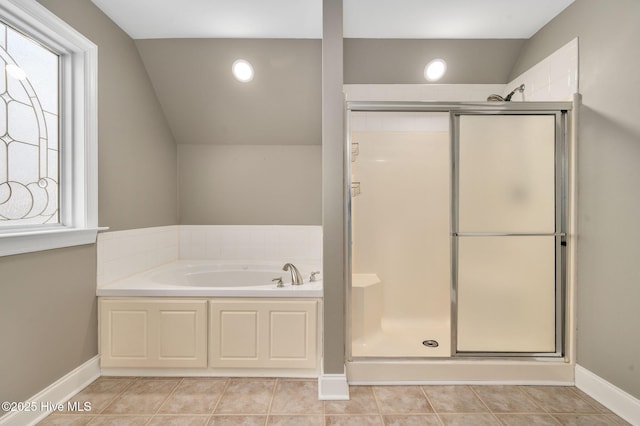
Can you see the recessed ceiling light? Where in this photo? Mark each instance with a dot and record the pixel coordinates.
(242, 70)
(435, 69)
(16, 72)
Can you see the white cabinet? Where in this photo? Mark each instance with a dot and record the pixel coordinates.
(236, 333)
(250, 333)
(153, 333)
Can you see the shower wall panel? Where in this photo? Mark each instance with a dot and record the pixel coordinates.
(400, 221)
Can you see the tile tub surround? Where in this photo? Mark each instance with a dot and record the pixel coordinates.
(125, 253)
(237, 242)
(270, 401)
(555, 78)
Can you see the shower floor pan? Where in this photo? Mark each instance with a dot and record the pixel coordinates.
(403, 338)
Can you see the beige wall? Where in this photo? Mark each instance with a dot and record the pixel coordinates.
(396, 61)
(608, 180)
(333, 236)
(47, 299)
(249, 152)
(204, 104)
(137, 154)
(250, 185)
(48, 318)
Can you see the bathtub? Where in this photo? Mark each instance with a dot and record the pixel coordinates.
(209, 278)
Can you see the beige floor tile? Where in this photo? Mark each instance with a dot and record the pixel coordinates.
(295, 420)
(194, 396)
(411, 420)
(353, 420)
(361, 401)
(595, 404)
(246, 396)
(296, 397)
(618, 420)
(261, 401)
(586, 419)
(231, 420)
(100, 393)
(558, 399)
(527, 419)
(119, 421)
(65, 420)
(401, 400)
(144, 396)
(178, 420)
(454, 399)
(475, 419)
(506, 399)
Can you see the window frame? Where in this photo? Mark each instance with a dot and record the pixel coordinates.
(78, 150)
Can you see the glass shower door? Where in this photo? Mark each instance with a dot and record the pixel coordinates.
(507, 233)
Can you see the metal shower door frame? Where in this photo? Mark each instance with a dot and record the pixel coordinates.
(560, 231)
(560, 109)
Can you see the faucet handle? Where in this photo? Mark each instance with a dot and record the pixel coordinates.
(278, 282)
(313, 278)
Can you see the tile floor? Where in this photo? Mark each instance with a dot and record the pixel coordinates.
(265, 401)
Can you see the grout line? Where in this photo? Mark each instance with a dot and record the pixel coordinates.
(495, 416)
(93, 418)
(375, 398)
(176, 386)
(432, 406)
(532, 399)
(116, 396)
(590, 404)
(480, 398)
(224, 390)
(273, 395)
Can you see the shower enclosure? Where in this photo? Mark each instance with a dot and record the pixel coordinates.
(457, 229)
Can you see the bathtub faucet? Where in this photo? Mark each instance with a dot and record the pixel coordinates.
(296, 277)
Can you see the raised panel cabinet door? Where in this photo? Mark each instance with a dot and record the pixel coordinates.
(182, 334)
(263, 334)
(153, 333)
(124, 333)
(292, 334)
(235, 335)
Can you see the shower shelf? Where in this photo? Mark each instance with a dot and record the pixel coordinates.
(355, 151)
(355, 189)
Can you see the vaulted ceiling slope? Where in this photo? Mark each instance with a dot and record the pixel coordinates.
(204, 104)
(188, 47)
(444, 19)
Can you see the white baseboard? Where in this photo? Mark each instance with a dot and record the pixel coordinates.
(333, 387)
(56, 393)
(612, 397)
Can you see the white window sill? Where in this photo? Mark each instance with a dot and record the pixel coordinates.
(32, 241)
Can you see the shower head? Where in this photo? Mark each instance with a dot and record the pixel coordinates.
(498, 98)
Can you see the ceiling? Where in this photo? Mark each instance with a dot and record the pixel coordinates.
(413, 19)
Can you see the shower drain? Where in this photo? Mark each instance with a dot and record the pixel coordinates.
(430, 343)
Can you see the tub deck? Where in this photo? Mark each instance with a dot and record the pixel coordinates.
(144, 284)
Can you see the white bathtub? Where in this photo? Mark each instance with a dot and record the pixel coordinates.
(188, 278)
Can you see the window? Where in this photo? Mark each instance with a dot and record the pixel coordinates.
(29, 158)
(48, 131)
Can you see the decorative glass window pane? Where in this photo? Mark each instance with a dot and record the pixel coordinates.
(29, 148)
